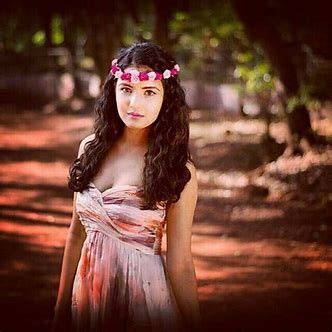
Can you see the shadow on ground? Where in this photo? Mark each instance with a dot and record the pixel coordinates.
(262, 264)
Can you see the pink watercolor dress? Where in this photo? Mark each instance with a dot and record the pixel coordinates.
(121, 283)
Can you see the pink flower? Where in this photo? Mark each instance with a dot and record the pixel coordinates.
(159, 76)
(125, 76)
(167, 73)
(152, 75)
(114, 69)
(134, 72)
(174, 72)
(134, 78)
(118, 74)
(143, 76)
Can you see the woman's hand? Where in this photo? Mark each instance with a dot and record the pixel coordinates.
(62, 320)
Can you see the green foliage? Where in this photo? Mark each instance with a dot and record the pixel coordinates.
(39, 38)
(17, 29)
(304, 97)
(213, 44)
(257, 77)
(57, 30)
(21, 31)
(139, 31)
(205, 38)
(142, 27)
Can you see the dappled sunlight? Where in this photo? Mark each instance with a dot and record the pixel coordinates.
(226, 130)
(323, 126)
(252, 213)
(222, 179)
(279, 131)
(20, 140)
(255, 83)
(300, 163)
(226, 273)
(34, 173)
(15, 197)
(49, 131)
(225, 146)
(41, 234)
(36, 217)
(227, 268)
(319, 265)
(219, 246)
(248, 244)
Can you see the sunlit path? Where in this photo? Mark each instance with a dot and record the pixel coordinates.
(256, 253)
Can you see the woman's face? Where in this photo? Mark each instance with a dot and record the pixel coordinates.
(144, 98)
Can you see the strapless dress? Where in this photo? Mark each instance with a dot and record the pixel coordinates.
(121, 282)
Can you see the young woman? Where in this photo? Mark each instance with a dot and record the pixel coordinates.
(133, 176)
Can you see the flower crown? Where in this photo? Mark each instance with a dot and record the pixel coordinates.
(136, 76)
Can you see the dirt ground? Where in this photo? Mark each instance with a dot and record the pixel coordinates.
(261, 236)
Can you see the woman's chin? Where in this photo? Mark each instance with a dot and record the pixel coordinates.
(132, 125)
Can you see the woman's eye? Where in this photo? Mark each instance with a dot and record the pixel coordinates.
(148, 92)
(125, 90)
(151, 93)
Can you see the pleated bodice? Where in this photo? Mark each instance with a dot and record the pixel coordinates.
(115, 212)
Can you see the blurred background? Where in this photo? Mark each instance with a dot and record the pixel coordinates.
(257, 76)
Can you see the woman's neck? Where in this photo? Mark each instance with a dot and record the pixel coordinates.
(134, 138)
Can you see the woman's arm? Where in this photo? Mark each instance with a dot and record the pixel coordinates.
(179, 261)
(75, 238)
(74, 242)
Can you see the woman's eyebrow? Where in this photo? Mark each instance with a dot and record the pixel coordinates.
(146, 87)
(125, 84)
(151, 87)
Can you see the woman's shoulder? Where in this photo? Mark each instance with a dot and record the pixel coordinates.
(84, 141)
(192, 183)
(190, 165)
(88, 138)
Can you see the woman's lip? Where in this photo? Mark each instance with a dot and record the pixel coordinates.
(135, 114)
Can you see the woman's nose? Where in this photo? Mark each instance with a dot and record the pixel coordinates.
(135, 100)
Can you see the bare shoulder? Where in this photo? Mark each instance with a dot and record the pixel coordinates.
(190, 165)
(180, 217)
(87, 139)
(193, 180)
(84, 141)
(188, 195)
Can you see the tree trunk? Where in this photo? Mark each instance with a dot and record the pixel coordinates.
(255, 17)
(104, 34)
(47, 26)
(104, 39)
(164, 11)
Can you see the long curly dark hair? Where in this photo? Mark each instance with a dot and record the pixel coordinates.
(165, 173)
